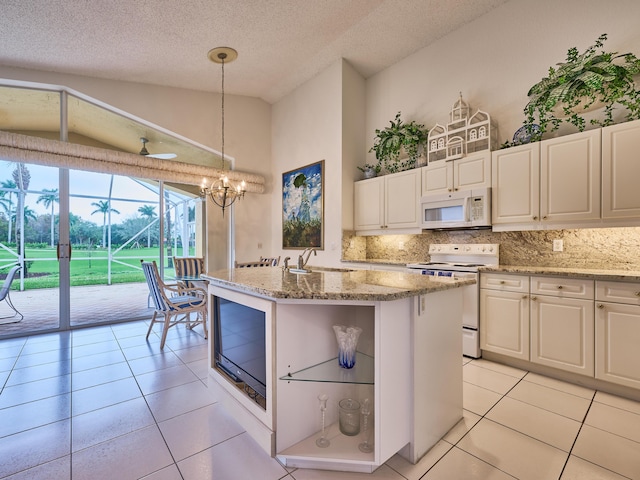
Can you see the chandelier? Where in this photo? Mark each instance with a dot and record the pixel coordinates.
(223, 192)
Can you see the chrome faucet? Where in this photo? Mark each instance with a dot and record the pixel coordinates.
(285, 267)
(303, 261)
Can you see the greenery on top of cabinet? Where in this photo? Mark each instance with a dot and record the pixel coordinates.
(583, 81)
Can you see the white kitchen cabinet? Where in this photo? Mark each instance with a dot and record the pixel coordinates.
(562, 324)
(621, 171)
(504, 314)
(550, 183)
(467, 173)
(515, 177)
(388, 202)
(369, 204)
(570, 178)
(617, 332)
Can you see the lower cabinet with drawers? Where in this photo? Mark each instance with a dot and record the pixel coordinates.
(583, 326)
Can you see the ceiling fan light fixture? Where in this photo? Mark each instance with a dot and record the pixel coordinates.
(144, 150)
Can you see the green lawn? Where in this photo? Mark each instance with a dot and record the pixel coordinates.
(87, 267)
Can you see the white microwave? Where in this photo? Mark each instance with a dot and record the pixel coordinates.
(463, 209)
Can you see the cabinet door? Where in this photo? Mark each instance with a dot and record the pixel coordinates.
(369, 204)
(570, 177)
(617, 340)
(472, 171)
(402, 197)
(437, 178)
(504, 323)
(621, 170)
(562, 333)
(515, 178)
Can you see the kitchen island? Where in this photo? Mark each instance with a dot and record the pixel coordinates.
(408, 363)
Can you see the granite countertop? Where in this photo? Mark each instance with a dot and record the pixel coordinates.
(589, 273)
(381, 261)
(330, 284)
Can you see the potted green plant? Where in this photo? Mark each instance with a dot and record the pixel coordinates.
(578, 84)
(370, 170)
(391, 141)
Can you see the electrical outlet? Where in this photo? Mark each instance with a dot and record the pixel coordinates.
(401, 246)
(558, 246)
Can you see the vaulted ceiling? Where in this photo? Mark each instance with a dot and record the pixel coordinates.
(281, 45)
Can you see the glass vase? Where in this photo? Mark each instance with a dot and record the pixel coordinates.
(349, 416)
(347, 338)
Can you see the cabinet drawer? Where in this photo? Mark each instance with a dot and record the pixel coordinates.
(562, 287)
(618, 292)
(505, 283)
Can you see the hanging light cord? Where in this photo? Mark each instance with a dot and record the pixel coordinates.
(222, 192)
(222, 57)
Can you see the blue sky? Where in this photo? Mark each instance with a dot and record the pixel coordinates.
(85, 183)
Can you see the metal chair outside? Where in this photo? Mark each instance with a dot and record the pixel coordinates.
(5, 296)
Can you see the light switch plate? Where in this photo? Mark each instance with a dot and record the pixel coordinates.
(558, 246)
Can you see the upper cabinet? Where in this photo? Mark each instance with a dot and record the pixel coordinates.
(570, 178)
(387, 203)
(516, 185)
(466, 173)
(621, 171)
(554, 183)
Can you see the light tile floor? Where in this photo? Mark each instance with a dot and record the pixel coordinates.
(103, 403)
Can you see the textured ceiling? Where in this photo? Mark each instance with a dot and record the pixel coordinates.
(281, 43)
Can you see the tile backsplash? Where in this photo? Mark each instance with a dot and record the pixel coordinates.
(601, 248)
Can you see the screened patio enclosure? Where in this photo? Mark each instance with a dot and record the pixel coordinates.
(80, 207)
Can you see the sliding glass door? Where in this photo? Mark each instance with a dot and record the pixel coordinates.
(80, 237)
(29, 234)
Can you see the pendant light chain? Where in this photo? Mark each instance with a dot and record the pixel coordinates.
(222, 57)
(222, 192)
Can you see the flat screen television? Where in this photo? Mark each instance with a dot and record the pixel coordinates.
(239, 345)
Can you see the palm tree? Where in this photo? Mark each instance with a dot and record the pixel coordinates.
(22, 178)
(49, 199)
(28, 215)
(8, 206)
(148, 211)
(104, 207)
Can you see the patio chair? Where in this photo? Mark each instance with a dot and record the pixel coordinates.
(174, 303)
(188, 267)
(259, 263)
(5, 296)
(274, 261)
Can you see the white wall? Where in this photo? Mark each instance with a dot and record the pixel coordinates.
(353, 137)
(195, 115)
(307, 128)
(495, 59)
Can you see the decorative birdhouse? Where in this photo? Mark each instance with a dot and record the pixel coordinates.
(462, 135)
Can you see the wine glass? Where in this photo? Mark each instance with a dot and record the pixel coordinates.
(323, 442)
(365, 446)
